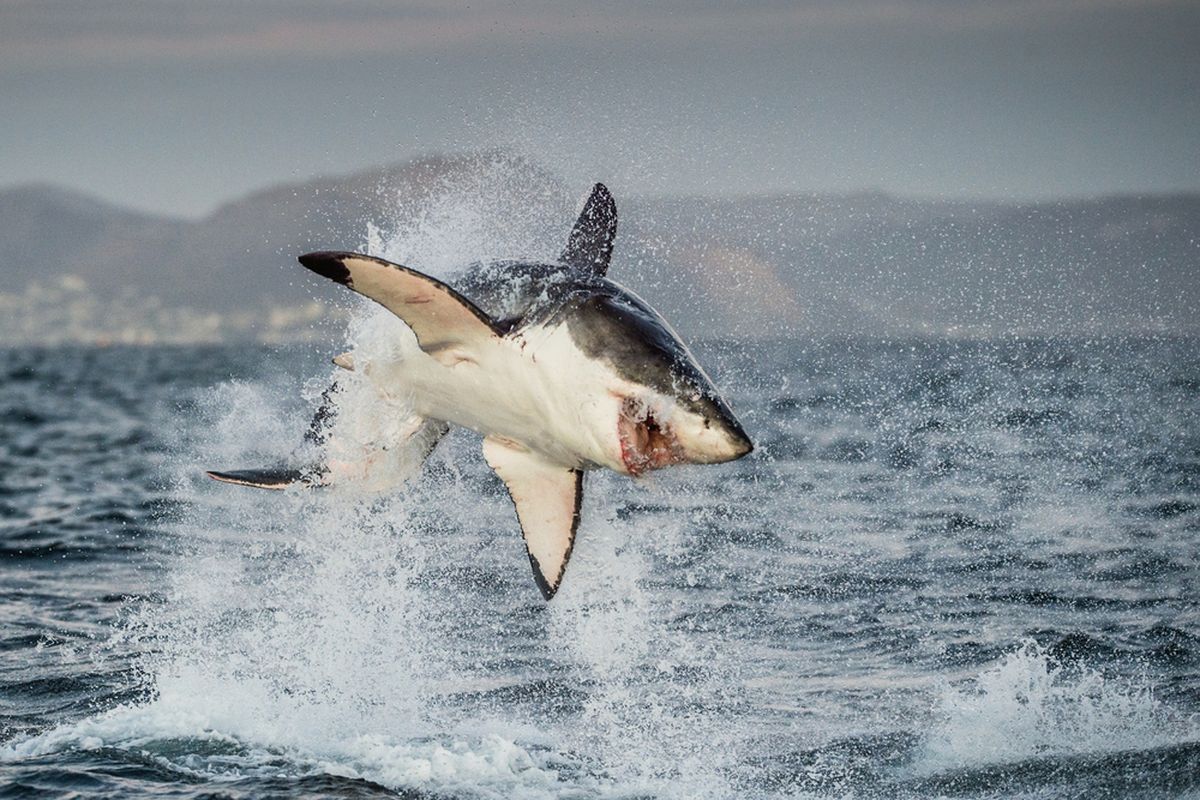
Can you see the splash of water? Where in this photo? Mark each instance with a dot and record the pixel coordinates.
(1030, 705)
(503, 208)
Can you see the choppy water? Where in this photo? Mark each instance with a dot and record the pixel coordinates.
(963, 569)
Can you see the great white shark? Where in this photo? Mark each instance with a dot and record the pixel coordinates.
(559, 368)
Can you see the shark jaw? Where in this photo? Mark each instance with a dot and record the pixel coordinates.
(662, 433)
(646, 441)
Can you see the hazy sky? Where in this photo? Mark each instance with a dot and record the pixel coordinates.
(179, 105)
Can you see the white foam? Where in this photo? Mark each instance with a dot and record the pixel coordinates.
(232, 736)
(1029, 706)
(502, 209)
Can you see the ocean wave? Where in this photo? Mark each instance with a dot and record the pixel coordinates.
(220, 743)
(1030, 705)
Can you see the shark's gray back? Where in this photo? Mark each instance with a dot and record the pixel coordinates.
(606, 321)
(516, 293)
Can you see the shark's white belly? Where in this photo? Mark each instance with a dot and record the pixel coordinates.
(535, 389)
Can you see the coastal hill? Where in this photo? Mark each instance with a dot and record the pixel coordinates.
(74, 268)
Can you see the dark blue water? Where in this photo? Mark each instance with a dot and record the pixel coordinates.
(963, 569)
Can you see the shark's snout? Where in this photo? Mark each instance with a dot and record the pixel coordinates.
(715, 437)
(738, 443)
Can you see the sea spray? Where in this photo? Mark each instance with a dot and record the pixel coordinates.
(656, 711)
(312, 625)
(504, 208)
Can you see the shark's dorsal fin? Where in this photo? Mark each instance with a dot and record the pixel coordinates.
(590, 244)
(447, 324)
(547, 497)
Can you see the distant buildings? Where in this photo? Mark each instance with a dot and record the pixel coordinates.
(65, 311)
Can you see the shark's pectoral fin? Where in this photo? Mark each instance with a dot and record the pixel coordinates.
(590, 244)
(271, 477)
(448, 326)
(547, 497)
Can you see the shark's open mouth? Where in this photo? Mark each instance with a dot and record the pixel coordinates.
(646, 442)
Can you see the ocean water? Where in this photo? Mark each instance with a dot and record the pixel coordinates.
(950, 569)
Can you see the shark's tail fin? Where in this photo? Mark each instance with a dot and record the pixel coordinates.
(284, 475)
(410, 444)
(271, 478)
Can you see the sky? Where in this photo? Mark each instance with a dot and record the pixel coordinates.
(176, 106)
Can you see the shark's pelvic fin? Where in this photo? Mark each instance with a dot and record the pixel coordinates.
(547, 497)
(448, 326)
(590, 244)
(383, 468)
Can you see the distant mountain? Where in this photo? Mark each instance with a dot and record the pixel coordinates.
(74, 268)
(46, 232)
(883, 265)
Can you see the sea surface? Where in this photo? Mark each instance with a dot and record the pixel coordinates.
(950, 569)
